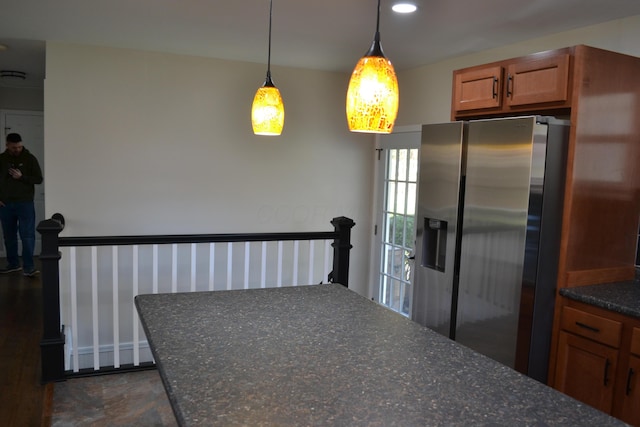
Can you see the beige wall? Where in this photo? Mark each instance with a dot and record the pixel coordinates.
(425, 92)
(149, 143)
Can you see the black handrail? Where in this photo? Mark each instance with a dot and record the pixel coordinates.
(52, 344)
(193, 238)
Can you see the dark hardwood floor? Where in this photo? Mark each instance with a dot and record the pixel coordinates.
(23, 400)
(121, 399)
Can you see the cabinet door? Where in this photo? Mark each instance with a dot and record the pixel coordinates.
(586, 370)
(477, 88)
(631, 400)
(535, 81)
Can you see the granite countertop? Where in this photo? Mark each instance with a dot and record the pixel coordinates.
(324, 355)
(621, 297)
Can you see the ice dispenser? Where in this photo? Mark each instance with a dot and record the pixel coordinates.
(434, 250)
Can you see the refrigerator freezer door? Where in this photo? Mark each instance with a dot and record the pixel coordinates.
(498, 178)
(441, 162)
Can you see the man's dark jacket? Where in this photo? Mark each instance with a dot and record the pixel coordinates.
(19, 190)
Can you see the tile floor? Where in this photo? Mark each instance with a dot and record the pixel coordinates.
(127, 399)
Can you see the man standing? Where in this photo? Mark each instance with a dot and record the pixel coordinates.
(19, 172)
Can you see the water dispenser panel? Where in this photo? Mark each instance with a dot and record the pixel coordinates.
(434, 244)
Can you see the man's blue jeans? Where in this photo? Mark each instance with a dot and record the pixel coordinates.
(19, 217)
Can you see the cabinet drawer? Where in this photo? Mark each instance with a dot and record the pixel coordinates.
(635, 342)
(590, 326)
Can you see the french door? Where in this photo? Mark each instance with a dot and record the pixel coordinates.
(397, 171)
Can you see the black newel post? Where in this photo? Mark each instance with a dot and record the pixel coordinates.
(52, 344)
(341, 247)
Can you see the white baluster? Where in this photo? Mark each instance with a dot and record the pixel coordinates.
(74, 308)
(136, 328)
(116, 308)
(94, 308)
(212, 264)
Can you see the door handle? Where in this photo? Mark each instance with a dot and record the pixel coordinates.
(509, 86)
(585, 326)
(629, 376)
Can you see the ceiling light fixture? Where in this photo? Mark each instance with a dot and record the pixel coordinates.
(404, 7)
(267, 111)
(372, 97)
(13, 75)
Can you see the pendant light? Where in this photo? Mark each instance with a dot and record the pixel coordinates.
(372, 97)
(267, 111)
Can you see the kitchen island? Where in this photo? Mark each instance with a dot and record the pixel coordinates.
(324, 355)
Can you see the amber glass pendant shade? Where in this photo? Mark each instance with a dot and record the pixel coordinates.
(372, 97)
(267, 111)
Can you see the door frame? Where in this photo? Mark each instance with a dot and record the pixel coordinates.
(3, 127)
(378, 198)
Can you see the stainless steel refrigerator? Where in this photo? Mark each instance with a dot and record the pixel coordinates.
(488, 234)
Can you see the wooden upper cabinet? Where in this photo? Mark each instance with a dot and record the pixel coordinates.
(538, 81)
(478, 88)
(530, 84)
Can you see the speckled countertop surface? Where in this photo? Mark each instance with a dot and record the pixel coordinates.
(324, 355)
(621, 297)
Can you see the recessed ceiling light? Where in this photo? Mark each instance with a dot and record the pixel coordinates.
(404, 7)
(3, 47)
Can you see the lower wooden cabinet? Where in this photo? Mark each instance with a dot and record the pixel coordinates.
(630, 411)
(631, 401)
(598, 360)
(587, 358)
(586, 370)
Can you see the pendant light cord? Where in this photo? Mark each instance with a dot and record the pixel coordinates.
(269, 51)
(376, 48)
(377, 36)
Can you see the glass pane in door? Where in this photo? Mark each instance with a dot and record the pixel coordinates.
(398, 228)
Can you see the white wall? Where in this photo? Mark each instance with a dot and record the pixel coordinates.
(425, 92)
(150, 143)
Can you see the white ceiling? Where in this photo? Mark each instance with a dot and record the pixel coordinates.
(323, 34)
